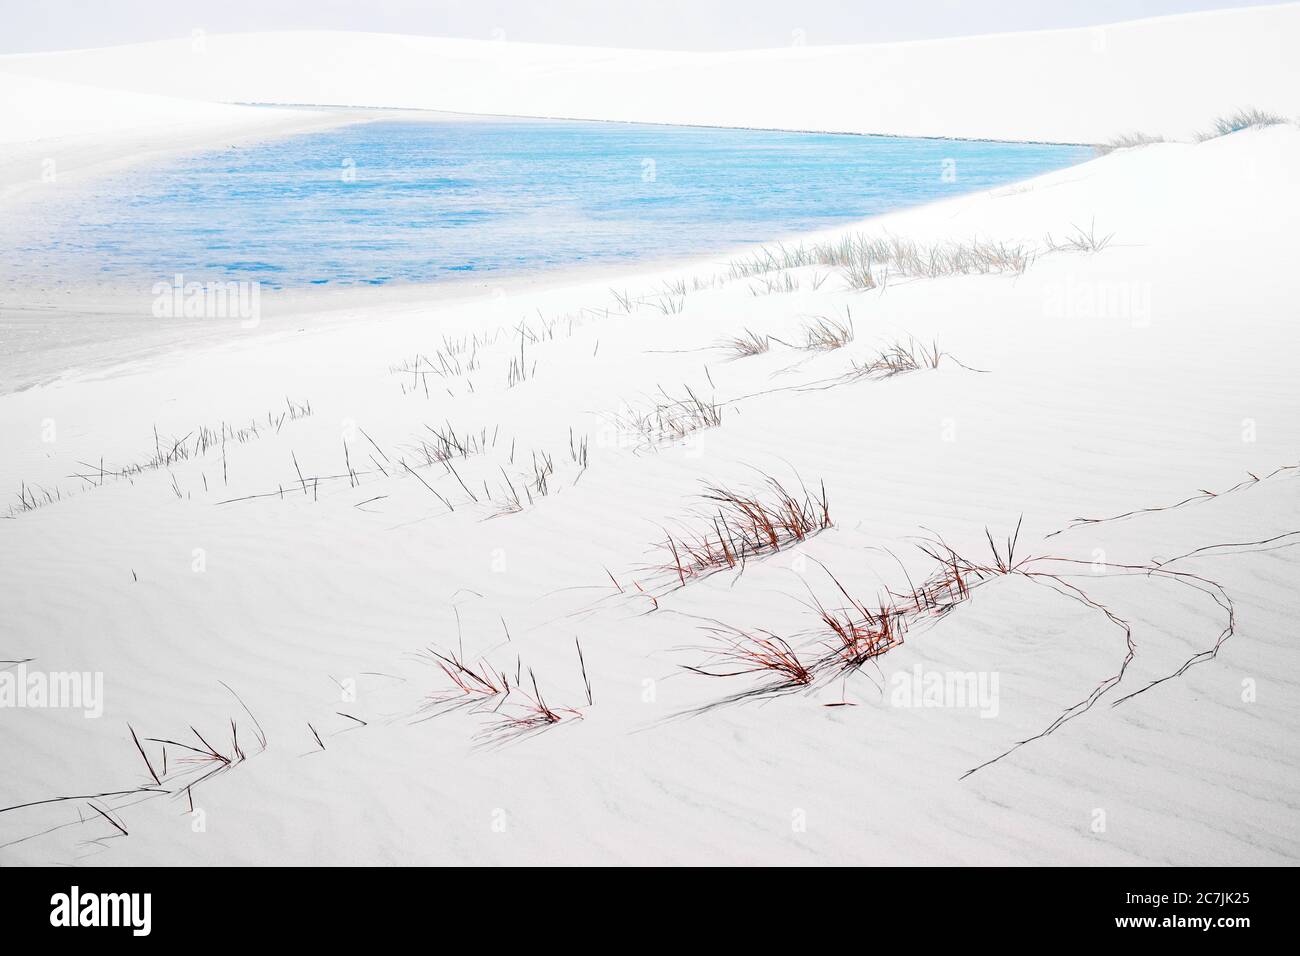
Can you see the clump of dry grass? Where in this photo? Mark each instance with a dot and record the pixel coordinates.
(625, 300)
(858, 633)
(1127, 141)
(194, 756)
(824, 334)
(743, 526)
(528, 717)
(513, 711)
(444, 444)
(470, 684)
(859, 275)
(670, 419)
(750, 343)
(898, 358)
(861, 632)
(761, 652)
(1080, 240)
(1239, 120)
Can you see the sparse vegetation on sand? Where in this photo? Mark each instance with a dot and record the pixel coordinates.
(1127, 141)
(1241, 119)
(671, 419)
(826, 334)
(455, 357)
(444, 444)
(747, 344)
(439, 489)
(859, 631)
(898, 358)
(1080, 240)
(743, 526)
(762, 652)
(168, 452)
(528, 716)
(471, 684)
(866, 261)
(512, 711)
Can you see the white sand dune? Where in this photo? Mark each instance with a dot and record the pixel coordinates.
(251, 537)
(314, 604)
(38, 109)
(57, 132)
(1163, 76)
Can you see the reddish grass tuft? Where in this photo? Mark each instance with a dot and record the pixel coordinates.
(757, 653)
(471, 684)
(862, 635)
(746, 526)
(532, 716)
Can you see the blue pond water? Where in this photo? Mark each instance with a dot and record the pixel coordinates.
(394, 201)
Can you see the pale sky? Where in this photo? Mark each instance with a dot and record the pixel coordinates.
(37, 25)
